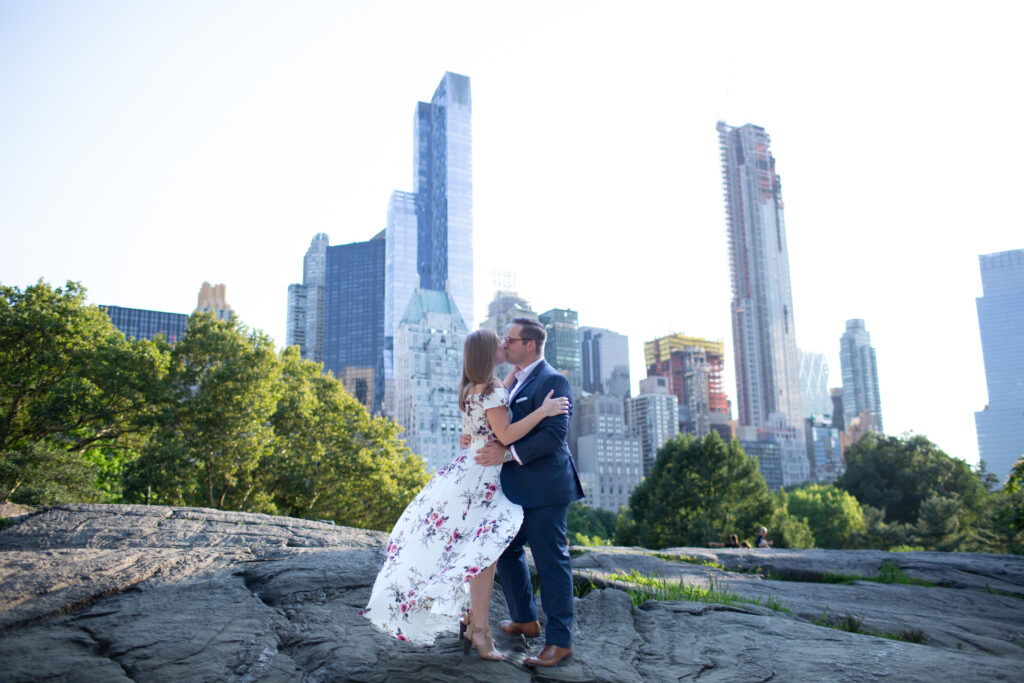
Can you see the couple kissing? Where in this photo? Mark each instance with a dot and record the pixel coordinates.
(510, 485)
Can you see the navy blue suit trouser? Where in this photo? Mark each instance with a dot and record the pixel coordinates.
(544, 529)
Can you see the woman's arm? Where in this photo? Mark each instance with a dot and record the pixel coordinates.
(510, 432)
(510, 378)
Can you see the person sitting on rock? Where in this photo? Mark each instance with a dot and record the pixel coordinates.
(734, 541)
(762, 539)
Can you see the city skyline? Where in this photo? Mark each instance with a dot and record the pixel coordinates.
(227, 157)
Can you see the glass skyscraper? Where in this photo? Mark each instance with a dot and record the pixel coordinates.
(1001, 321)
(860, 376)
(306, 302)
(604, 361)
(354, 318)
(817, 401)
(763, 326)
(400, 258)
(443, 183)
(562, 346)
(139, 323)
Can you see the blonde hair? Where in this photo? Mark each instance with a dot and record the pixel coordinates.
(477, 363)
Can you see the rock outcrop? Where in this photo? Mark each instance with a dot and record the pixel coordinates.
(107, 593)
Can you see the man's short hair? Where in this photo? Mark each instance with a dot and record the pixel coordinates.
(533, 331)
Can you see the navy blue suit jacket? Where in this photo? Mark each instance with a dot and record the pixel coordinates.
(548, 474)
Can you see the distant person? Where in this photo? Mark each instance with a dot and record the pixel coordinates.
(745, 543)
(734, 541)
(762, 538)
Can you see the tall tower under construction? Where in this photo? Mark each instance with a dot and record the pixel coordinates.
(763, 328)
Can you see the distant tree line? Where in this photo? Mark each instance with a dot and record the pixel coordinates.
(219, 419)
(896, 493)
(222, 420)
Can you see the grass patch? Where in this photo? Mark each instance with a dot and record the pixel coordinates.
(576, 552)
(689, 559)
(890, 573)
(644, 587)
(996, 591)
(854, 624)
(887, 573)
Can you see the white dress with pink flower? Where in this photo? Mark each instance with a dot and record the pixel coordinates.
(455, 527)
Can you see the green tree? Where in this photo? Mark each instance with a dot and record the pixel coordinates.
(899, 474)
(1014, 487)
(832, 515)
(1007, 512)
(698, 491)
(74, 395)
(590, 526)
(330, 458)
(214, 423)
(877, 533)
(786, 530)
(938, 524)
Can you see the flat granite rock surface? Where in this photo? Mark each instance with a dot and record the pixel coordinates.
(151, 593)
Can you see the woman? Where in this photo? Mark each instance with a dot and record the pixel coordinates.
(451, 534)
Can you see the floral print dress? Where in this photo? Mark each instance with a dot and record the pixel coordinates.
(454, 528)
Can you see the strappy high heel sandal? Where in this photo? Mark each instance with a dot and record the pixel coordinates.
(488, 650)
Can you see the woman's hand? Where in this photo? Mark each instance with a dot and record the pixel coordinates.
(554, 406)
(464, 441)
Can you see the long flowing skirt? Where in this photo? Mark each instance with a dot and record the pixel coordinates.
(457, 526)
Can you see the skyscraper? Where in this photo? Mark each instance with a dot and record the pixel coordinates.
(214, 298)
(692, 368)
(604, 361)
(860, 375)
(1001, 321)
(763, 327)
(139, 323)
(400, 258)
(306, 302)
(824, 450)
(562, 347)
(814, 384)
(653, 417)
(505, 307)
(354, 318)
(428, 367)
(610, 463)
(443, 183)
(764, 333)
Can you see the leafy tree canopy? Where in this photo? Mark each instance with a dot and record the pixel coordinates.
(589, 526)
(697, 492)
(832, 515)
(897, 475)
(219, 420)
(74, 394)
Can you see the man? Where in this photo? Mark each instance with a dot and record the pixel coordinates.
(537, 473)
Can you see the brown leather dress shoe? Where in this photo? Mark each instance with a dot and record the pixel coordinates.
(529, 629)
(551, 655)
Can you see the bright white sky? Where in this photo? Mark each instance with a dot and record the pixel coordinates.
(148, 146)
